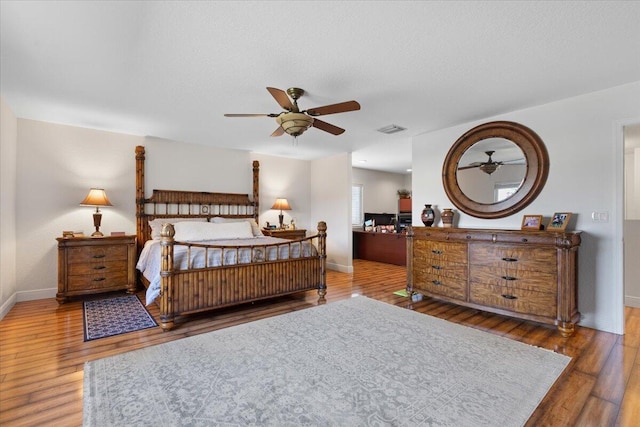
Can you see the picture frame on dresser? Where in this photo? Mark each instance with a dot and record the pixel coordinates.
(531, 222)
(559, 221)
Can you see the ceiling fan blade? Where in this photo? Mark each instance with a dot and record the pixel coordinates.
(341, 107)
(278, 132)
(248, 115)
(472, 166)
(281, 97)
(327, 127)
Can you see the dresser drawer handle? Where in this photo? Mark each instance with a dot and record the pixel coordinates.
(437, 282)
(509, 278)
(436, 252)
(99, 256)
(506, 296)
(99, 279)
(436, 267)
(510, 259)
(525, 240)
(99, 267)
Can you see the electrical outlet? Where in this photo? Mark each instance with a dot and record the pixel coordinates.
(600, 216)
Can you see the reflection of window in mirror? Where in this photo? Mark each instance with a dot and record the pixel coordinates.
(503, 191)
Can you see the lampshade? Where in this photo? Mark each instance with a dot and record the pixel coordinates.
(281, 204)
(294, 123)
(96, 197)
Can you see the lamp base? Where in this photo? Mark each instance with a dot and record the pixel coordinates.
(281, 218)
(97, 219)
(97, 234)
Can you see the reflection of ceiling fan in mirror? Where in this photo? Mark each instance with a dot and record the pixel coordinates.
(295, 122)
(490, 166)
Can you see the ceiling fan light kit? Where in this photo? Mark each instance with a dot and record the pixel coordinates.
(295, 122)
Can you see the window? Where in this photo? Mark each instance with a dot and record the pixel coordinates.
(502, 191)
(357, 217)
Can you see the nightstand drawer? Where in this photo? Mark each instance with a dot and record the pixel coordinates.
(96, 253)
(97, 281)
(103, 267)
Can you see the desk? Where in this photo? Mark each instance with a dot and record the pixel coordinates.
(381, 247)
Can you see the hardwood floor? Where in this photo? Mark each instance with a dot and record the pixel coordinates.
(42, 352)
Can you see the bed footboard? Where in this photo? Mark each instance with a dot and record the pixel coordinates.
(191, 291)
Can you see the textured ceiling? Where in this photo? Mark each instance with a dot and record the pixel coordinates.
(172, 69)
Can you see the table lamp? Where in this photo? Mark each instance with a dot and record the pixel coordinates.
(96, 197)
(283, 205)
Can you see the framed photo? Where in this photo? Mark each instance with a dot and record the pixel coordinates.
(531, 222)
(559, 221)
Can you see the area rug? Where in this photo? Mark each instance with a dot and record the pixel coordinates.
(356, 362)
(114, 316)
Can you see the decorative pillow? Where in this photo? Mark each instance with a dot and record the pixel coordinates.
(197, 231)
(255, 229)
(156, 224)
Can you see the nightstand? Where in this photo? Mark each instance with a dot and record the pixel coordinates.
(90, 265)
(286, 233)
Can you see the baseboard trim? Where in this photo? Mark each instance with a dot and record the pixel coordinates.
(36, 294)
(632, 301)
(340, 268)
(7, 306)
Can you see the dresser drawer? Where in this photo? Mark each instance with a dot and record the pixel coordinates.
(97, 281)
(512, 277)
(443, 251)
(440, 268)
(84, 254)
(441, 285)
(519, 257)
(516, 300)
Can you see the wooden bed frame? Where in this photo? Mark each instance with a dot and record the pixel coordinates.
(196, 290)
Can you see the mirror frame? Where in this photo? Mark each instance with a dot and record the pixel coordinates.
(537, 160)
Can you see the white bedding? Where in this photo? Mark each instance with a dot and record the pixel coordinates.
(149, 261)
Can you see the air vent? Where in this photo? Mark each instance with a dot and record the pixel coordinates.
(391, 129)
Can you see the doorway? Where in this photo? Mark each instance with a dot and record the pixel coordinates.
(631, 215)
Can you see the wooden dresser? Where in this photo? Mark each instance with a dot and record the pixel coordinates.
(89, 265)
(526, 274)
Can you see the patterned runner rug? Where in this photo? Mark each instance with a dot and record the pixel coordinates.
(114, 316)
(354, 362)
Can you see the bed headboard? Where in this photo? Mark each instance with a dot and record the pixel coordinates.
(189, 204)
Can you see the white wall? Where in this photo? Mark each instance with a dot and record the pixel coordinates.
(380, 189)
(8, 150)
(57, 164)
(580, 135)
(331, 202)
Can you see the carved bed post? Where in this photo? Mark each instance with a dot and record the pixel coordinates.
(322, 251)
(409, 261)
(256, 191)
(140, 198)
(166, 277)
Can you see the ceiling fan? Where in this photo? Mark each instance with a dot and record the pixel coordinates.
(293, 121)
(490, 166)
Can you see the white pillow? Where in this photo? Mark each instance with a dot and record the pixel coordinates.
(255, 229)
(156, 224)
(197, 231)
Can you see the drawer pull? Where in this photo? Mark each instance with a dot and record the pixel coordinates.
(436, 267)
(509, 278)
(99, 279)
(99, 256)
(510, 259)
(436, 252)
(99, 267)
(437, 282)
(507, 296)
(525, 240)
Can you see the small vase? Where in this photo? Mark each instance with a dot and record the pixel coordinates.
(447, 217)
(428, 216)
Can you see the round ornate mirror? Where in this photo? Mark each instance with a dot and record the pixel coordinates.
(495, 170)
